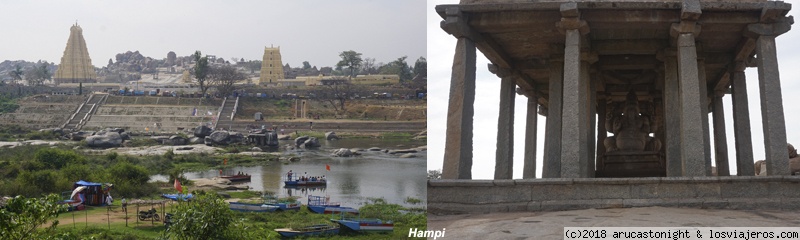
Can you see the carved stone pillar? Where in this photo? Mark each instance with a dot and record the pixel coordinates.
(691, 98)
(529, 167)
(672, 115)
(552, 141)
(458, 143)
(504, 160)
(720, 140)
(771, 97)
(741, 123)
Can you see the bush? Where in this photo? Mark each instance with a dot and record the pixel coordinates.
(53, 158)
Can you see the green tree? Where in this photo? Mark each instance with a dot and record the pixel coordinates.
(38, 74)
(21, 217)
(224, 78)
(399, 67)
(421, 67)
(17, 73)
(207, 216)
(351, 60)
(306, 65)
(53, 158)
(200, 71)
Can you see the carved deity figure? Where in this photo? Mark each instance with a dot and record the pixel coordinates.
(631, 129)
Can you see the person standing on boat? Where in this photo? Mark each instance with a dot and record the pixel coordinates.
(289, 174)
(305, 176)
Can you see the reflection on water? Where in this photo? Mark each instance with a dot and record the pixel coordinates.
(351, 181)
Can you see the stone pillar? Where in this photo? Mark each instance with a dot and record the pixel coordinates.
(602, 133)
(504, 160)
(741, 124)
(692, 139)
(529, 167)
(552, 141)
(591, 100)
(720, 140)
(672, 116)
(458, 145)
(769, 83)
(704, 102)
(574, 150)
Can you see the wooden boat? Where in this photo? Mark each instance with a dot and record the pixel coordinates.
(283, 206)
(318, 204)
(252, 207)
(338, 210)
(366, 224)
(175, 197)
(306, 183)
(313, 230)
(237, 178)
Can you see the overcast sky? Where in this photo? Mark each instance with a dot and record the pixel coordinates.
(440, 60)
(314, 31)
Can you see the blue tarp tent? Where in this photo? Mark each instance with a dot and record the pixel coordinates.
(94, 194)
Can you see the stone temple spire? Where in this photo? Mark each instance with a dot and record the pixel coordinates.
(75, 66)
(271, 66)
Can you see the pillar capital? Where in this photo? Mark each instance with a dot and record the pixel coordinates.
(455, 23)
(500, 71)
(684, 27)
(571, 19)
(780, 26)
(690, 10)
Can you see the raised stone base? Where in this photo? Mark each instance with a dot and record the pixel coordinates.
(556, 194)
(632, 164)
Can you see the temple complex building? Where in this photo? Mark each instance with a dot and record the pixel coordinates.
(76, 65)
(627, 86)
(271, 66)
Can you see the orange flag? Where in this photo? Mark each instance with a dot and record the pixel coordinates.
(177, 185)
(328, 167)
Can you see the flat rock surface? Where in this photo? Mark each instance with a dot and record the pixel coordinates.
(550, 225)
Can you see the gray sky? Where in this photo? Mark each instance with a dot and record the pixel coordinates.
(441, 49)
(314, 31)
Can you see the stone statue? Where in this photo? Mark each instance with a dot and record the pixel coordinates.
(630, 128)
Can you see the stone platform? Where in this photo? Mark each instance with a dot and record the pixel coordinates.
(632, 164)
(556, 194)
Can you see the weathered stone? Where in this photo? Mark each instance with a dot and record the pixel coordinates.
(300, 140)
(176, 140)
(331, 136)
(458, 157)
(720, 139)
(672, 116)
(504, 160)
(256, 149)
(402, 151)
(342, 152)
(104, 140)
(552, 144)
(81, 135)
(196, 140)
(408, 155)
(741, 125)
(219, 137)
(574, 151)
(374, 149)
(529, 167)
(692, 140)
(772, 107)
(312, 142)
(202, 131)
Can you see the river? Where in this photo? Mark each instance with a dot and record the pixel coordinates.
(351, 180)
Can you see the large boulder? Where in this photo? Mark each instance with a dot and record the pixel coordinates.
(175, 140)
(235, 137)
(77, 136)
(342, 152)
(196, 140)
(202, 131)
(104, 140)
(331, 136)
(300, 140)
(219, 137)
(125, 136)
(312, 142)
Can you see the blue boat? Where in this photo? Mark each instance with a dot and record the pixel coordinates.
(284, 205)
(175, 197)
(318, 204)
(366, 224)
(306, 183)
(252, 207)
(313, 230)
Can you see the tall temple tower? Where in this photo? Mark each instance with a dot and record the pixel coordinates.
(76, 66)
(271, 66)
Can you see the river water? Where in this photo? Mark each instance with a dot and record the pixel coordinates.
(351, 180)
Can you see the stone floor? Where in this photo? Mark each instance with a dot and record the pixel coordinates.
(549, 225)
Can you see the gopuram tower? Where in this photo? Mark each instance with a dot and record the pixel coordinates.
(75, 66)
(271, 66)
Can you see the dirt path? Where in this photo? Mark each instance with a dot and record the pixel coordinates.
(100, 215)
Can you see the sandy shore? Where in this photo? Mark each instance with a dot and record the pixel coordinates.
(549, 225)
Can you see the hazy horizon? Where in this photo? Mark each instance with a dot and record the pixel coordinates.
(313, 31)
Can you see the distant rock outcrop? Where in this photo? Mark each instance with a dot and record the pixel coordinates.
(104, 140)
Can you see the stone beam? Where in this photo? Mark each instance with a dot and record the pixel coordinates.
(455, 23)
(628, 46)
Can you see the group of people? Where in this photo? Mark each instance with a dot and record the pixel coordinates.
(304, 177)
